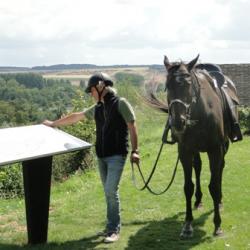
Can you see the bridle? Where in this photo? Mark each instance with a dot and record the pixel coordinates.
(187, 110)
(187, 106)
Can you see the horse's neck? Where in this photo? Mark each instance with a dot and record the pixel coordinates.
(204, 76)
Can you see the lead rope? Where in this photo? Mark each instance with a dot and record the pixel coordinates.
(146, 183)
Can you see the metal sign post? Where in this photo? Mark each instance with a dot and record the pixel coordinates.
(35, 146)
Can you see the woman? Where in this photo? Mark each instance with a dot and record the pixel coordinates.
(114, 118)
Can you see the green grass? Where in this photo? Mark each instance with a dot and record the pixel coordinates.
(77, 207)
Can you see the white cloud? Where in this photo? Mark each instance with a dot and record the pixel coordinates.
(35, 32)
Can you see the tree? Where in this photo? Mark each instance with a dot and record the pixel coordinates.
(30, 80)
(134, 79)
(82, 84)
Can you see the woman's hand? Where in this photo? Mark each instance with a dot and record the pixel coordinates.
(135, 158)
(48, 123)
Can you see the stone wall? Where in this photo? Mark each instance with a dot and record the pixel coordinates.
(240, 74)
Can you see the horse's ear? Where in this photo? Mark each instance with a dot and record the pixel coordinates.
(166, 62)
(191, 64)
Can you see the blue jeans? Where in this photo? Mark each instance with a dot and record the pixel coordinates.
(111, 169)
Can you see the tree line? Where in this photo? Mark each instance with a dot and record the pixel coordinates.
(27, 98)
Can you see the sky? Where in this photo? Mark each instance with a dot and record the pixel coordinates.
(116, 32)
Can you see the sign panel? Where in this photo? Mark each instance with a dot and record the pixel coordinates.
(35, 141)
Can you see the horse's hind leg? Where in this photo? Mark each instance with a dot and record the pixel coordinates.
(216, 159)
(197, 168)
(221, 173)
(222, 167)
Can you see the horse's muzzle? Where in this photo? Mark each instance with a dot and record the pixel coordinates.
(179, 124)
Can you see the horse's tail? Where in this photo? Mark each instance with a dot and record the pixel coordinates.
(155, 103)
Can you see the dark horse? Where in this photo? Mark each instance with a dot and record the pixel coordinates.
(199, 122)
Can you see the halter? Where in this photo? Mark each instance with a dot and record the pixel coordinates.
(188, 106)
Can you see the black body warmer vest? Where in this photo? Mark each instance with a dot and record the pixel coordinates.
(111, 128)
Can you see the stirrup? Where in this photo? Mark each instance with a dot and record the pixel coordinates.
(236, 134)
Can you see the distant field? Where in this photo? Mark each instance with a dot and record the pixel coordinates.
(75, 76)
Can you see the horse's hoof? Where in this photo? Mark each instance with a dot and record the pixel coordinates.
(186, 235)
(218, 232)
(187, 232)
(198, 205)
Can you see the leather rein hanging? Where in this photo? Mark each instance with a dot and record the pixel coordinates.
(146, 182)
(189, 122)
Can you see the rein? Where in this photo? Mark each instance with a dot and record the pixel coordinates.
(146, 182)
(189, 122)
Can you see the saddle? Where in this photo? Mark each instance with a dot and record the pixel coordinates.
(229, 94)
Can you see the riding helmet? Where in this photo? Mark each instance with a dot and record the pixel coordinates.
(96, 78)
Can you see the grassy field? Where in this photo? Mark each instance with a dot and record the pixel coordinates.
(77, 208)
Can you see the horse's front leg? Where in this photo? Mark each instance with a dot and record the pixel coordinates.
(186, 160)
(197, 168)
(216, 162)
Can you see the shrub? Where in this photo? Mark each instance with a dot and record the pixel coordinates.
(64, 165)
(244, 118)
(11, 181)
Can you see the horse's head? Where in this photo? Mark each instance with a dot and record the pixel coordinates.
(179, 92)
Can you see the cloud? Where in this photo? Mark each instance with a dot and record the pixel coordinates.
(34, 32)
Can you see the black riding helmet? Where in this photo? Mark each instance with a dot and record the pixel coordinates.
(96, 78)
